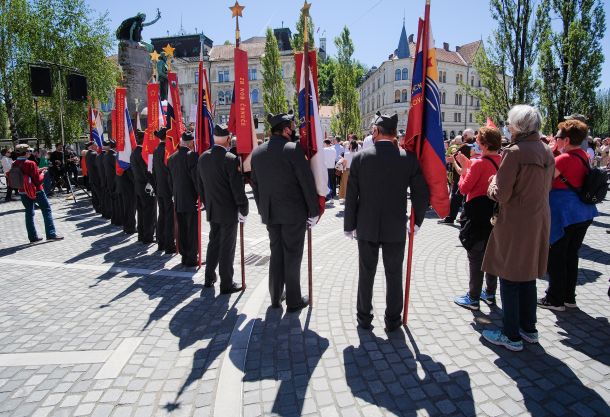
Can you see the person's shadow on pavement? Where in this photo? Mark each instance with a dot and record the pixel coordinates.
(586, 334)
(385, 373)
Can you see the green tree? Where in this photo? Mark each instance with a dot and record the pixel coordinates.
(571, 59)
(345, 83)
(326, 81)
(274, 95)
(600, 122)
(297, 37)
(82, 44)
(506, 66)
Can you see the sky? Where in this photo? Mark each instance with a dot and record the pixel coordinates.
(375, 25)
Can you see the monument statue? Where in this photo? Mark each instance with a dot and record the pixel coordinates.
(131, 29)
(162, 70)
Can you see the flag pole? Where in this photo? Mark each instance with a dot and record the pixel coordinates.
(305, 11)
(237, 10)
(418, 148)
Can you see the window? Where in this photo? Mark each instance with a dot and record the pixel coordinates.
(378, 100)
(443, 117)
(254, 96)
(470, 116)
(397, 75)
(196, 77)
(378, 83)
(472, 81)
(397, 96)
(444, 134)
(405, 95)
(221, 97)
(405, 73)
(223, 75)
(251, 74)
(457, 117)
(383, 98)
(460, 132)
(442, 76)
(471, 100)
(477, 103)
(479, 83)
(228, 96)
(443, 97)
(458, 99)
(452, 134)
(367, 106)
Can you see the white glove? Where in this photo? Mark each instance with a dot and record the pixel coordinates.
(312, 221)
(351, 235)
(149, 189)
(415, 229)
(241, 218)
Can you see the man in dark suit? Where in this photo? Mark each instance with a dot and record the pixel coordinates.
(287, 201)
(376, 214)
(145, 201)
(93, 174)
(114, 201)
(100, 165)
(183, 184)
(222, 192)
(160, 174)
(127, 200)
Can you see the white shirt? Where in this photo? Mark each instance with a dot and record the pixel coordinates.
(368, 142)
(329, 157)
(7, 163)
(348, 156)
(591, 154)
(339, 150)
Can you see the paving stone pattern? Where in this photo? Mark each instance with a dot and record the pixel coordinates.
(314, 363)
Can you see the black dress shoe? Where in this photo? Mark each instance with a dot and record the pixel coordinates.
(304, 303)
(210, 281)
(170, 251)
(38, 239)
(365, 325)
(446, 220)
(233, 288)
(394, 326)
(190, 264)
(129, 232)
(56, 237)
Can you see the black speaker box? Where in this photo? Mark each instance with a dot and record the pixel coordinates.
(77, 87)
(40, 81)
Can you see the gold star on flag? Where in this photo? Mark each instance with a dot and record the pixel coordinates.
(154, 56)
(169, 51)
(305, 8)
(237, 9)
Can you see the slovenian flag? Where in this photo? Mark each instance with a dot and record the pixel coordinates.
(424, 134)
(97, 128)
(126, 139)
(315, 141)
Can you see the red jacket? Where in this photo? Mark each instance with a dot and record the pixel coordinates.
(30, 170)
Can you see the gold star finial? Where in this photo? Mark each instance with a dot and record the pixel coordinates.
(305, 8)
(237, 9)
(169, 51)
(154, 56)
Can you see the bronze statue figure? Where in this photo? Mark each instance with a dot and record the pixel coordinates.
(131, 29)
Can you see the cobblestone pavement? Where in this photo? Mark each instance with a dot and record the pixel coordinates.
(101, 325)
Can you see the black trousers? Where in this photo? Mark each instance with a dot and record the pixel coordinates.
(147, 217)
(128, 201)
(117, 209)
(332, 183)
(393, 254)
(107, 204)
(187, 235)
(456, 201)
(563, 264)
(165, 224)
(95, 197)
(221, 253)
(286, 243)
(475, 261)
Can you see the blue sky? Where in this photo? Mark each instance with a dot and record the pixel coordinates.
(375, 25)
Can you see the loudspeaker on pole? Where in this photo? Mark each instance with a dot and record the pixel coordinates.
(77, 87)
(40, 81)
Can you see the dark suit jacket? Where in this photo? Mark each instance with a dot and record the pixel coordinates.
(283, 183)
(141, 176)
(92, 169)
(221, 186)
(161, 172)
(110, 158)
(376, 200)
(183, 179)
(101, 172)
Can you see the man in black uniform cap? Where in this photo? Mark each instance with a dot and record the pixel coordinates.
(287, 201)
(100, 165)
(160, 174)
(112, 195)
(226, 204)
(93, 174)
(375, 214)
(183, 184)
(127, 200)
(145, 200)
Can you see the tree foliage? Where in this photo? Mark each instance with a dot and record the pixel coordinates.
(571, 59)
(61, 32)
(326, 80)
(507, 65)
(274, 95)
(346, 95)
(600, 122)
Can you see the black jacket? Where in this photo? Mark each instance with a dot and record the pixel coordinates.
(160, 173)
(101, 172)
(376, 200)
(183, 179)
(221, 186)
(92, 168)
(110, 158)
(283, 183)
(141, 176)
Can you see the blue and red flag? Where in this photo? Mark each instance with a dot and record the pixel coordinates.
(424, 134)
(204, 127)
(96, 127)
(126, 138)
(174, 124)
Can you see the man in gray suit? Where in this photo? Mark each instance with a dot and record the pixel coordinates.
(376, 214)
(222, 192)
(285, 193)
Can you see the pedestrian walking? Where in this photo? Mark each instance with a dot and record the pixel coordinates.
(330, 156)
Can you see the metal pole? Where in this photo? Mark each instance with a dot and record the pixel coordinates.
(37, 132)
(63, 139)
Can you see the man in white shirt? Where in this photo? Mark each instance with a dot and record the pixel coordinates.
(368, 140)
(338, 149)
(330, 158)
(7, 163)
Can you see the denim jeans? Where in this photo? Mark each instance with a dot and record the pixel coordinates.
(45, 208)
(519, 307)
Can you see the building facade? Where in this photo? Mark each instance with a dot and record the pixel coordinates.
(388, 88)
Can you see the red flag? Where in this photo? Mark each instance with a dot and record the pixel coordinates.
(154, 121)
(113, 122)
(490, 123)
(240, 118)
(119, 103)
(174, 116)
(204, 126)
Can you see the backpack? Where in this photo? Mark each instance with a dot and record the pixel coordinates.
(15, 177)
(594, 187)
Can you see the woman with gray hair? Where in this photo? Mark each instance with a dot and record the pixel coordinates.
(518, 247)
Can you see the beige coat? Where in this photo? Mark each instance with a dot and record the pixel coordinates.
(518, 247)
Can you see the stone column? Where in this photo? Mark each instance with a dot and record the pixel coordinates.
(134, 60)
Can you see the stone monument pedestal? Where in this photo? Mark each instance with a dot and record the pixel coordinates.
(134, 60)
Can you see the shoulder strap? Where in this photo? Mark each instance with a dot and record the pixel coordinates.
(583, 160)
(492, 161)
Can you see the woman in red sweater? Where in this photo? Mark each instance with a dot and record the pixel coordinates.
(33, 178)
(478, 210)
